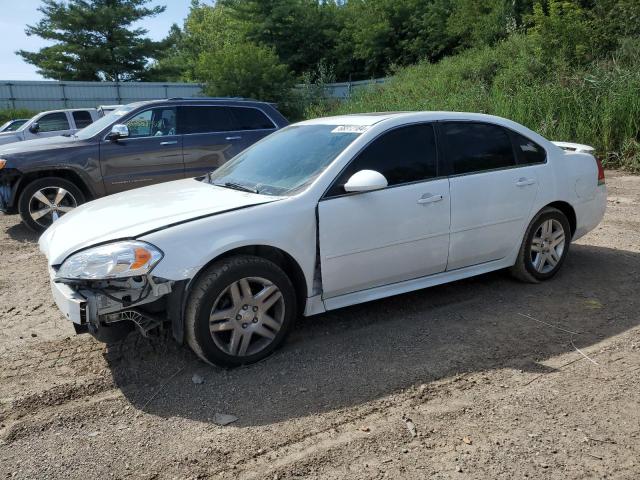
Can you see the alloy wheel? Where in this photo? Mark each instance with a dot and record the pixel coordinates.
(50, 203)
(247, 316)
(547, 246)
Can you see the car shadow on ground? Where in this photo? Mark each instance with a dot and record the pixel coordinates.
(353, 355)
(21, 233)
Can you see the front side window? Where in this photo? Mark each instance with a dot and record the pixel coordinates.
(527, 150)
(403, 155)
(477, 147)
(156, 122)
(82, 118)
(286, 161)
(53, 122)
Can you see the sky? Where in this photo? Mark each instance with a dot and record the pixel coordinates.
(16, 14)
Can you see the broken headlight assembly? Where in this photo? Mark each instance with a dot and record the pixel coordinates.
(118, 260)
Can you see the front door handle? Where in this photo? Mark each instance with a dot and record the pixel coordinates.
(238, 137)
(428, 198)
(523, 182)
(172, 142)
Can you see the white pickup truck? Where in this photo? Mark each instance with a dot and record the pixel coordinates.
(51, 124)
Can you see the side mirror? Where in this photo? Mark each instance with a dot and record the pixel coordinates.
(34, 127)
(365, 181)
(118, 131)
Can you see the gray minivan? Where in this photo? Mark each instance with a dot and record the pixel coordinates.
(136, 145)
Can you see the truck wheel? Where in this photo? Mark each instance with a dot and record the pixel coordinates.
(240, 311)
(45, 200)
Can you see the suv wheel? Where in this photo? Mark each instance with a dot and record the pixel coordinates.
(240, 311)
(45, 200)
(544, 248)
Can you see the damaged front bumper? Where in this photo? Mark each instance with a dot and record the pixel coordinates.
(110, 309)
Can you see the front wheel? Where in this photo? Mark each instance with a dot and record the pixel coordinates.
(240, 311)
(544, 247)
(45, 200)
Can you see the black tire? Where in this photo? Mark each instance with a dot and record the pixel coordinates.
(524, 269)
(50, 183)
(213, 284)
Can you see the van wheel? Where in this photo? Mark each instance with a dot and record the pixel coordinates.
(45, 200)
(544, 247)
(240, 311)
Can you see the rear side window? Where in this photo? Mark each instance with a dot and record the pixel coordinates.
(52, 122)
(527, 150)
(206, 119)
(82, 118)
(477, 147)
(251, 119)
(403, 155)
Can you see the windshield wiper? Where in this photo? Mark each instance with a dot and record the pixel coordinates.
(237, 186)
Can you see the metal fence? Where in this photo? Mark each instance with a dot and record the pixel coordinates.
(50, 95)
(343, 90)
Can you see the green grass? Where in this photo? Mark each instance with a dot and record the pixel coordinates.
(10, 114)
(598, 105)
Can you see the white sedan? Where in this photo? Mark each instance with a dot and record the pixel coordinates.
(320, 215)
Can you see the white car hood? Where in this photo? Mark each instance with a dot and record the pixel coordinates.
(133, 213)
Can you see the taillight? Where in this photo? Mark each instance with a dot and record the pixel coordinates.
(600, 172)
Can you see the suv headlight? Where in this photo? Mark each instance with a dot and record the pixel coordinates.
(124, 259)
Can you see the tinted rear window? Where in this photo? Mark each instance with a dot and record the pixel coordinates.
(251, 119)
(82, 118)
(206, 119)
(527, 150)
(476, 147)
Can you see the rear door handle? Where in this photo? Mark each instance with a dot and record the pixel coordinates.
(428, 198)
(172, 142)
(238, 137)
(523, 182)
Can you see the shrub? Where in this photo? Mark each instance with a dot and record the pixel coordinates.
(12, 113)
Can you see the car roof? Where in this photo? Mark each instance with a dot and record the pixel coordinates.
(68, 110)
(212, 100)
(368, 119)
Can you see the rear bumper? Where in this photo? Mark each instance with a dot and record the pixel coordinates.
(590, 213)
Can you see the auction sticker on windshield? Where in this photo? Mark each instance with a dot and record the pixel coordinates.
(350, 129)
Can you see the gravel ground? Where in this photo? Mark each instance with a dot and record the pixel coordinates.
(482, 378)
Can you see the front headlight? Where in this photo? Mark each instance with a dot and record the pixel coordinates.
(124, 259)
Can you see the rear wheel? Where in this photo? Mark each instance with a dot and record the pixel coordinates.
(544, 248)
(44, 201)
(240, 311)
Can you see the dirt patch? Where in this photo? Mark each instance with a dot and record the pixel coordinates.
(500, 380)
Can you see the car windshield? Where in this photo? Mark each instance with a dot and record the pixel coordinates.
(97, 126)
(12, 125)
(286, 161)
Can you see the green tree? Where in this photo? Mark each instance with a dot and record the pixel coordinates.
(94, 40)
(244, 69)
(302, 32)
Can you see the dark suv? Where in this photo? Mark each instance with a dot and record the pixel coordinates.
(136, 145)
